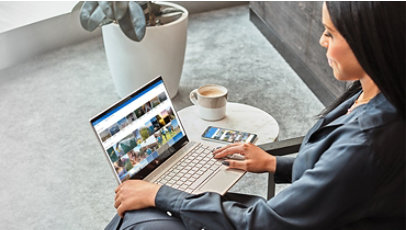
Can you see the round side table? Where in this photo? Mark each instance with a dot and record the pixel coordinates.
(239, 117)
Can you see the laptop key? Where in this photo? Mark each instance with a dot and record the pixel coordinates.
(192, 170)
(183, 187)
(197, 175)
(187, 175)
(201, 179)
(214, 167)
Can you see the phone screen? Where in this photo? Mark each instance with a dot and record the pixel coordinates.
(228, 135)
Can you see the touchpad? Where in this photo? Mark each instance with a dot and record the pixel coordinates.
(222, 181)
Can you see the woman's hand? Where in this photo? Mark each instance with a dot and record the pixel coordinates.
(135, 194)
(255, 159)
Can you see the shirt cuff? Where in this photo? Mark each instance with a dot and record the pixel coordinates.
(170, 199)
(283, 172)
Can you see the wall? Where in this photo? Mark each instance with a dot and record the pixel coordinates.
(202, 6)
(294, 29)
(25, 42)
(32, 39)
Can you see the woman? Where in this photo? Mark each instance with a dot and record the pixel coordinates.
(350, 170)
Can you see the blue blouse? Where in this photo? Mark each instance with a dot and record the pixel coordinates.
(349, 174)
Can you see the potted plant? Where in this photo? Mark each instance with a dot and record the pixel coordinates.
(141, 39)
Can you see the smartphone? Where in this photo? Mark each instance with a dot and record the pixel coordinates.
(228, 136)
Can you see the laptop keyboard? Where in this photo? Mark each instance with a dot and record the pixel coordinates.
(192, 170)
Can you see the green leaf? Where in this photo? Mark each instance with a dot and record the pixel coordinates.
(114, 10)
(133, 23)
(120, 8)
(91, 16)
(107, 8)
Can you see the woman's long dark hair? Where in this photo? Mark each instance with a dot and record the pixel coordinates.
(375, 31)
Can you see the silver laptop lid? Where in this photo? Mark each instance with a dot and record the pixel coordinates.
(140, 132)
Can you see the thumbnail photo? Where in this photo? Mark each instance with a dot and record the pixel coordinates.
(137, 135)
(139, 112)
(155, 123)
(170, 112)
(228, 136)
(244, 137)
(154, 102)
(127, 143)
(149, 146)
(135, 156)
(114, 129)
(105, 135)
(112, 154)
(122, 166)
(131, 117)
(218, 135)
(141, 151)
(161, 120)
(122, 123)
(146, 107)
(162, 97)
(119, 166)
(167, 132)
(174, 125)
(146, 131)
(166, 116)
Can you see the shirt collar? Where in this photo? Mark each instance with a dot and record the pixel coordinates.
(376, 112)
(332, 117)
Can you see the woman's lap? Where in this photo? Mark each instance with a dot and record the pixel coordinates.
(145, 219)
(152, 218)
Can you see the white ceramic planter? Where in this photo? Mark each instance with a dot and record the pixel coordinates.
(161, 52)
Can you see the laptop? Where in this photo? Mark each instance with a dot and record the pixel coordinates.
(143, 138)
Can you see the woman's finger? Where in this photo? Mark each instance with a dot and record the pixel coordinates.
(117, 203)
(118, 188)
(215, 151)
(120, 210)
(231, 150)
(233, 164)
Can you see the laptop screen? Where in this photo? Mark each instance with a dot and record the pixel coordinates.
(140, 132)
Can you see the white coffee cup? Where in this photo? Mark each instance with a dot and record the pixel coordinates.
(211, 101)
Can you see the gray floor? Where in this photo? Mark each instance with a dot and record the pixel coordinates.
(52, 171)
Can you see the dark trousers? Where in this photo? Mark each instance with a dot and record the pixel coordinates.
(145, 219)
(155, 219)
